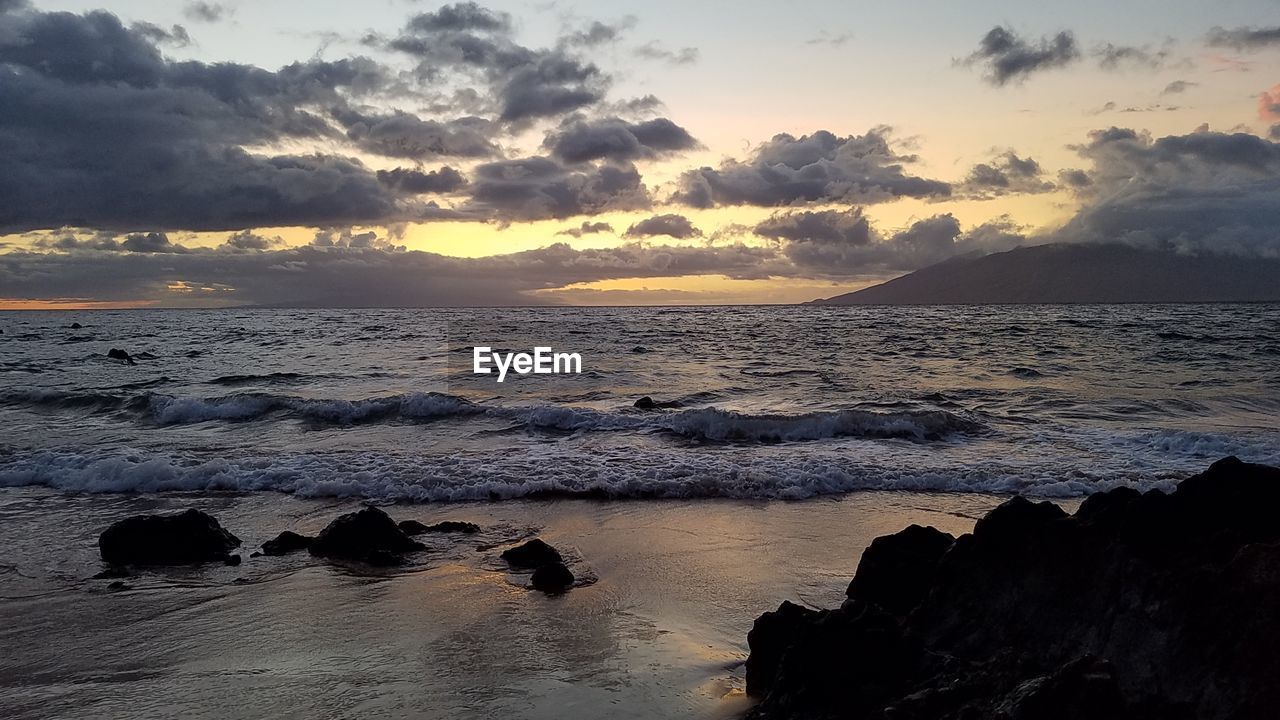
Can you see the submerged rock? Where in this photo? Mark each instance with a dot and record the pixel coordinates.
(532, 554)
(648, 403)
(286, 542)
(413, 527)
(1140, 605)
(118, 354)
(183, 539)
(369, 536)
(552, 579)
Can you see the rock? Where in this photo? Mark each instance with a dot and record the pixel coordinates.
(552, 579)
(648, 403)
(255, 554)
(532, 554)
(369, 535)
(286, 542)
(75, 326)
(118, 354)
(897, 570)
(413, 527)
(233, 560)
(183, 539)
(1149, 606)
(117, 586)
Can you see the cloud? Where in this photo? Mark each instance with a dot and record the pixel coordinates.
(1007, 174)
(654, 51)
(1204, 192)
(1008, 57)
(1177, 87)
(249, 240)
(542, 188)
(526, 83)
(13, 5)
(100, 130)
(579, 140)
(671, 224)
(1115, 57)
(401, 135)
(205, 11)
(1269, 104)
(416, 182)
(825, 38)
(1244, 38)
(821, 167)
(176, 36)
(599, 33)
(587, 228)
(849, 227)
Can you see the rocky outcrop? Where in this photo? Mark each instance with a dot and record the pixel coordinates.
(413, 527)
(1140, 605)
(552, 579)
(369, 536)
(186, 538)
(286, 542)
(533, 554)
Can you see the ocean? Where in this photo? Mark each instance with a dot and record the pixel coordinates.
(786, 440)
(766, 402)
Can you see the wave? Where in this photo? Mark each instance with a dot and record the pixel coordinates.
(703, 424)
(528, 474)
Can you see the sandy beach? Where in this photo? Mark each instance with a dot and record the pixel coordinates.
(661, 633)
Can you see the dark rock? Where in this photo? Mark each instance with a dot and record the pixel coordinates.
(648, 403)
(1150, 606)
(113, 573)
(255, 554)
(532, 554)
(75, 326)
(185, 538)
(286, 542)
(897, 570)
(233, 560)
(369, 535)
(383, 558)
(552, 579)
(118, 354)
(413, 527)
(117, 586)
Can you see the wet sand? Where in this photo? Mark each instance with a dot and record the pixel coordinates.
(661, 633)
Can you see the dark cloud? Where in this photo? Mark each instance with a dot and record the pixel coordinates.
(401, 135)
(599, 33)
(526, 83)
(99, 130)
(1244, 38)
(654, 51)
(1275, 132)
(416, 182)
(1005, 175)
(587, 228)
(826, 38)
(12, 5)
(1201, 192)
(153, 242)
(541, 188)
(849, 227)
(176, 35)
(1008, 57)
(249, 240)
(1115, 57)
(1075, 179)
(205, 11)
(580, 140)
(821, 167)
(671, 225)
(1178, 87)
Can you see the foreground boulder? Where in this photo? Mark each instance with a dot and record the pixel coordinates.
(648, 403)
(552, 579)
(533, 554)
(123, 356)
(1148, 606)
(368, 536)
(285, 543)
(186, 538)
(413, 527)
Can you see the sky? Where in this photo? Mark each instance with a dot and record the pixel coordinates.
(399, 152)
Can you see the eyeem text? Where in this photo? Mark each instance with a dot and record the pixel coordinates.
(543, 361)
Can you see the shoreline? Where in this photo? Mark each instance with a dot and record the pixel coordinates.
(661, 633)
